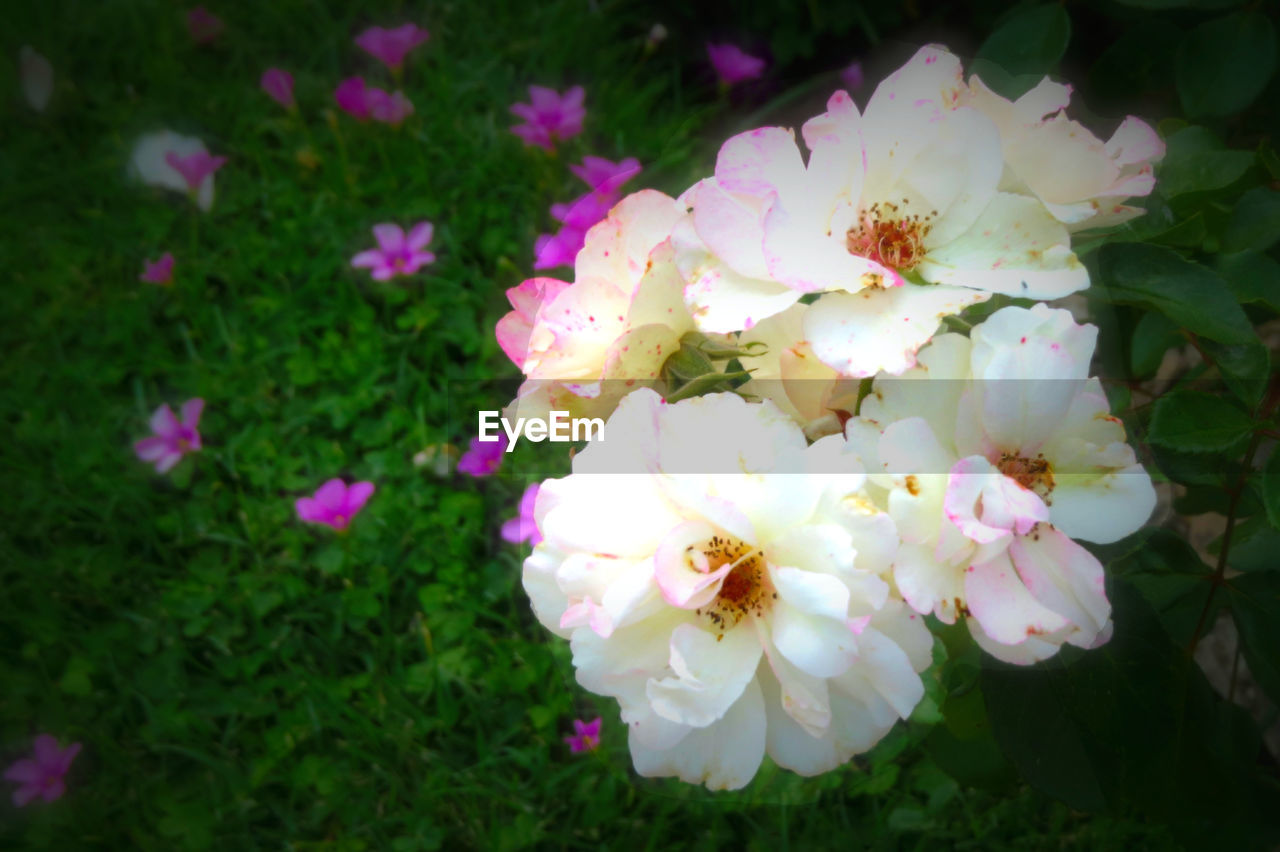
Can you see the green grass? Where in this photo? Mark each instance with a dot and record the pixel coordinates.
(241, 681)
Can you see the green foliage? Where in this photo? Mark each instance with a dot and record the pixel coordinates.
(1197, 422)
(1225, 63)
(1030, 41)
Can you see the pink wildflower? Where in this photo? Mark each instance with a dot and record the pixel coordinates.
(278, 83)
(549, 116)
(335, 504)
(203, 25)
(732, 65)
(586, 735)
(558, 249)
(43, 773)
(172, 438)
(194, 167)
(585, 210)
(523, 526)
(351, 98)
(391, 46)
(483, 457)
(851, 75)
(606, 176)
(389, 108)
(158, 271)
(397, 254)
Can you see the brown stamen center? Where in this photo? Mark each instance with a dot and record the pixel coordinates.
(745, 590)
(890, 236)
(1033, 474)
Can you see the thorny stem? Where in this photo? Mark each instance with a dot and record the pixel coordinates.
(1219, 574)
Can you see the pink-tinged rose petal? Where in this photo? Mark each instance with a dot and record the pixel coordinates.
(278, 84)
(513, 330)
(683, 574)
(986, 505)
(1000, 601)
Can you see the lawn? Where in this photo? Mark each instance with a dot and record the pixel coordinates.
(240, 679)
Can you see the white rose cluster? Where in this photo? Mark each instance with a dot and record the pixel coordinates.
(750, 572)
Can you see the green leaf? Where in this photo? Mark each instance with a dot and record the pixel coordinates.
(964, 747)
(1255, 546)
(1160, 279)
(1194, 421)
(1029, 41)
(1224, 64)
(1253, 277)
(1140, 60)
(1255, 221)
(1255, 605)
(1172, 578)
(1152, 337)
(1245, 368)
(1189, 468)
(1196, 161)
(1083, 728)
(75, 679)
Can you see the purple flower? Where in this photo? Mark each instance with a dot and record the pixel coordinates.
(576, 218)
(389, 108)
(172, 438)
(397, 254)
(483, 457)
(158, 271)
(549, 116)
(732, 65)
(363, 102)
(391, 46)
(586, 735)
(278, 83)
(559, 249)
(851, 75)
(203, 25)
(194, 167)
(334, 504)
(523, 526)
(585, 210)
(43, 773)
(606, 176)
(351, 99)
